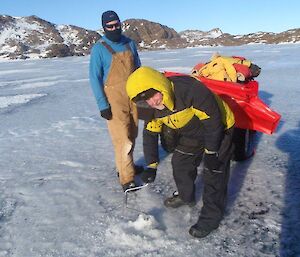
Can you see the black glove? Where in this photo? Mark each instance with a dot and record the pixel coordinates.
(106, 114)
(148, 175)
(211, 161)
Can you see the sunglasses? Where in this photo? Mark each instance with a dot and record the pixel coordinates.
(111, 26)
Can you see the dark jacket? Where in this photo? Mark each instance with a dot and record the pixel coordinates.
(198, 115)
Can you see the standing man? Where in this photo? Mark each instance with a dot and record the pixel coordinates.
(113, 58)
(204, 126)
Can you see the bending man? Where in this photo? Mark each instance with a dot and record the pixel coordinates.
(204, 126)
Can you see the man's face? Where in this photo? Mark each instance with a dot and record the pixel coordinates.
(112, 25)
(156, 101)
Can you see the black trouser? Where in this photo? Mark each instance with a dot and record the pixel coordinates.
(215, 183)
(185, 173)
(214, 197)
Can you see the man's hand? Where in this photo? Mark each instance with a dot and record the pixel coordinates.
(106, 114)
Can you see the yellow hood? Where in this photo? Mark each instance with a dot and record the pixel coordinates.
(145, 78)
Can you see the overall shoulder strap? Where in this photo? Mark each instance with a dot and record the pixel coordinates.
(107, 46)
(128, 47)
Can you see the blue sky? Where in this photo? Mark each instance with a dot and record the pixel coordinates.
(231, 16)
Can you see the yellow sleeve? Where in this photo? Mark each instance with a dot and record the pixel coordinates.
(200, 115)
(227, 114)
(154, 125)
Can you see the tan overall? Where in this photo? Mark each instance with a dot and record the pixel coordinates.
(123, 127)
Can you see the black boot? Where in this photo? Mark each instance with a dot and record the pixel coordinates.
(129, 185)
(199, 232)
(175, 201)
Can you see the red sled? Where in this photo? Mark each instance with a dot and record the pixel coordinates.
(249, 110)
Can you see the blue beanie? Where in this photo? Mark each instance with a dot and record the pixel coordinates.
(109, 16)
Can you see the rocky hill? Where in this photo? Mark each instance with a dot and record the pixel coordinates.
(33, 37)
(216, 37)
(26, 37)
(151, 35)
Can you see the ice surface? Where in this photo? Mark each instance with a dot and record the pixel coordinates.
(59, 193)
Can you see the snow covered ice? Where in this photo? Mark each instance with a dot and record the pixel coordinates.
(59, 193)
